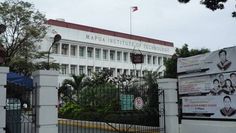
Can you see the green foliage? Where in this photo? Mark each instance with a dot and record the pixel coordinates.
(100, 98)
(151, 85)
(70, 110)
(212, 4)
(25, 28)
(171, 64)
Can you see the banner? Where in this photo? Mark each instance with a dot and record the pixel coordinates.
(207, 85)
(219, 107)
(215, 62)
(215, 84)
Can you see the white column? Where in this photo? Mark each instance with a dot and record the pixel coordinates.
(3, 82)
(69, 69)
(59, 51)
(171, 107)
(47, 101)
(69, 49)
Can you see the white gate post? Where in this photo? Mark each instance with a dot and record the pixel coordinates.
(171, 107)
(3, 81)
(47, 101)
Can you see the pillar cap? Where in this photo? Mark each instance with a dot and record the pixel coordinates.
(166, 80)
(45, 73)
(4, 69)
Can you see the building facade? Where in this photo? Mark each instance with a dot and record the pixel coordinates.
(85, 49)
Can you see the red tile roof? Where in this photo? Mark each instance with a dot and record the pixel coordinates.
(107, 32)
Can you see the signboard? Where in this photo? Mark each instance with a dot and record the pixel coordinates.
(126, 102)
(138, 103)
(136, 58)
(207, 85)
(215, 62)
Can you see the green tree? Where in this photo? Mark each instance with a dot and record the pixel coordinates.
(212, 4)
(171, 64)
(72, 87)
(150, 79)
(25, 28)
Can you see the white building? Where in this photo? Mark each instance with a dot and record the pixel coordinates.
(85, 49)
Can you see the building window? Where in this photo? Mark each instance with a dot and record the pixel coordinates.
(98, 53)
(105, 53)
(97, 69)
(63, 69)
(81, 51)
(55, 48)
(90, 52)
(89, 70)
(73, 50)
(164, 59)
(125, 72)
(112, 55)
(132, 72)
(159, 60)
(137, 73)
(81, 70)
(119, 71)
(73, 69)
(64, 49)
(149, 59)
(125, 56)
(119, 56)
(154, 60)
(105, 68)
(144, 59)
(113, 70)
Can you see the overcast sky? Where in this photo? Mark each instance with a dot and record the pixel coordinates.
(166, 20)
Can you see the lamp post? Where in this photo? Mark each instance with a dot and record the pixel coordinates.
(56, 39)
(2, 49)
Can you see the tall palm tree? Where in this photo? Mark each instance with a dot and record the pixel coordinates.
(72, 87)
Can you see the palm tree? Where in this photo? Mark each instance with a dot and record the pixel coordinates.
(72, 87)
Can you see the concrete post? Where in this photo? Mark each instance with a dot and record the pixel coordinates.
(171, 107)
(3, 81)
(47, 101)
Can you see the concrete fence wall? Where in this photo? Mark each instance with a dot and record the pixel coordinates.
(171, 107)
(47, 101)
(3, 82)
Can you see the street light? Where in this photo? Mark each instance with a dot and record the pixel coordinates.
(2, 49)
(56, 39)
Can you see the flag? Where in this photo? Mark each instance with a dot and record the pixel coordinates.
(134, 8)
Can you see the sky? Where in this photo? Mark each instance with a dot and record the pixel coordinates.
(168, 20)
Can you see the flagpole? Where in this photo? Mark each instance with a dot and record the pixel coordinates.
(130, 24)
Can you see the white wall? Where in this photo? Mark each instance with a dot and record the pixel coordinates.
(200, 126)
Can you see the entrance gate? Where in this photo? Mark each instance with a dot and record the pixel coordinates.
(20, 109)
(105, 109)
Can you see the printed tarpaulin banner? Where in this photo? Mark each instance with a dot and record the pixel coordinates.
(207, 85)
(214, 84)
(215, 62)
(219, 107)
